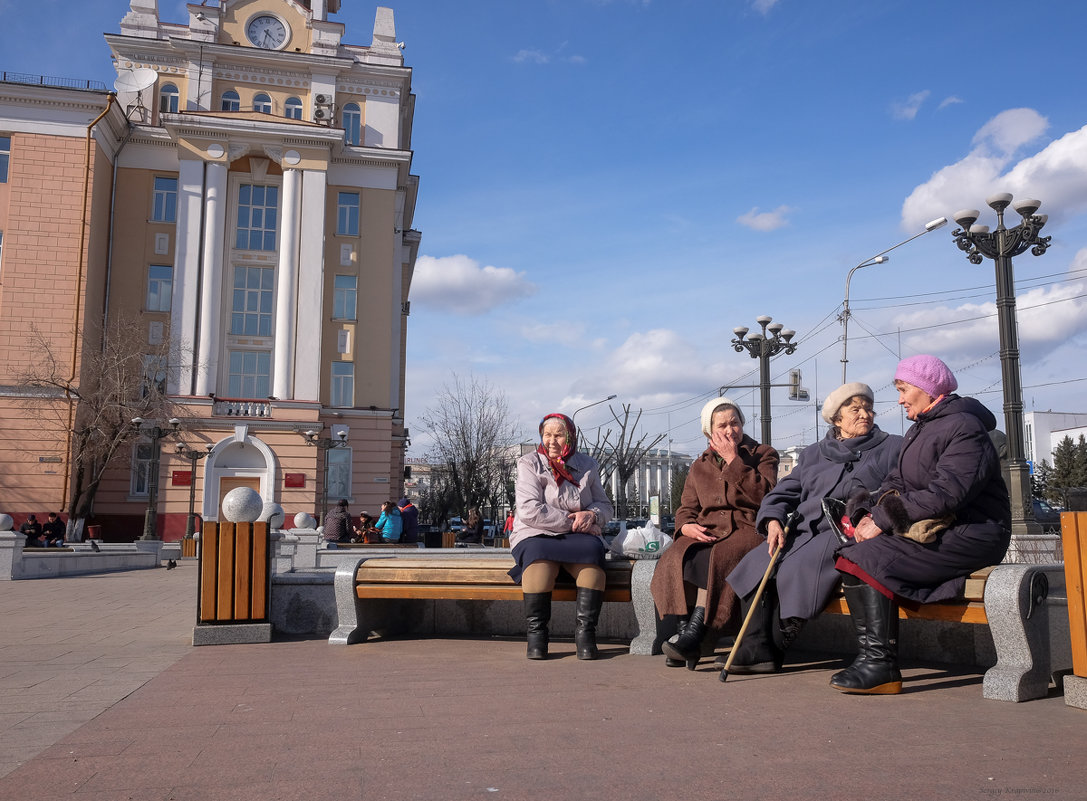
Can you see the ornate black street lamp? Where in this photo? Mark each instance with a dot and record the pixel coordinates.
(155, 433)
(762, 347)
(194, 456)
(1000, 245)
(323, 444)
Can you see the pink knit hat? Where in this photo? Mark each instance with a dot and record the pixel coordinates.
(927, 373)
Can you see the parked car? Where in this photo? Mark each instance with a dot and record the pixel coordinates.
(668, 525)
(1048, 517)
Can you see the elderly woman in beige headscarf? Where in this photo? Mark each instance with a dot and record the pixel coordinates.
(715, 528)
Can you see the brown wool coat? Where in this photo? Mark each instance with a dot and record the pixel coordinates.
(724, 499)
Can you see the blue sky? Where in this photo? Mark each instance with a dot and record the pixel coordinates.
(609, 188)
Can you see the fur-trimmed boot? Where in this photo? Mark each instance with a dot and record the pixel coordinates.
(688, 645)
(537, 616)
(875, 619)
(587, 609)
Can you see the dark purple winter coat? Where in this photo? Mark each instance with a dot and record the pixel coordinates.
(947, 466)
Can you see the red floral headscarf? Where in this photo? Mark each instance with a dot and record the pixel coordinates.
(558, 466)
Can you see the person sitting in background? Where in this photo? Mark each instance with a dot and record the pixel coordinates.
(364, 528)
(409, 516)
(473, 529)
(53, 529)
(337, 525)
(35, 538)
(390, 523)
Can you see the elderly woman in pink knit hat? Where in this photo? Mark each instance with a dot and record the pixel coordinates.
(939, 516)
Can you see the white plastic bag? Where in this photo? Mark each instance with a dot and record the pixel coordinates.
(646, 542)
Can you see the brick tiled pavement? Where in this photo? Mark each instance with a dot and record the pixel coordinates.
(104, 698)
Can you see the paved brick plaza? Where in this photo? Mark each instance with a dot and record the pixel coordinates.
(104, 698)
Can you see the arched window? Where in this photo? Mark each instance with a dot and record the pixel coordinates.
(231, 101)
(168, 98)
(293, 108)
(262, 103)
(352, 123)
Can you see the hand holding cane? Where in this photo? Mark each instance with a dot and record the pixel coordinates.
(755, 600)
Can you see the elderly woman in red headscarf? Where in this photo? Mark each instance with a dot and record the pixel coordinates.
(561, 512)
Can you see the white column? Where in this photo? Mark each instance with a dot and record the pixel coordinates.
(211, 289)
(287, 287)
(185, 303)
(311, 288)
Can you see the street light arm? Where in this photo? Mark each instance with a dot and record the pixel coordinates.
(595, 403)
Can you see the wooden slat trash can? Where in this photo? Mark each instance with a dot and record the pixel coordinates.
(1074, 542)
(234, 584)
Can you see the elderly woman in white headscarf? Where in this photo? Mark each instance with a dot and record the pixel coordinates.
(854, 455)
(715, 527)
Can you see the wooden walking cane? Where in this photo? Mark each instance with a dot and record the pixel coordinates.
(757, 598)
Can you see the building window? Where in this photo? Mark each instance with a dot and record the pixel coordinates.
(257, 210)
(251, 309)
(250, 374)
(343, 384)
(160, 286)
(141, 469)
(347, 214)
(293, 108)
(164, 200)
(231, 101)
(339, 472)
(5, 156)
(344, 296)
(154, 375)
(352, 123)
(262, 103)
(169, 99)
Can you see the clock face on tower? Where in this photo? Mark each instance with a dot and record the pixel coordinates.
(267, 31)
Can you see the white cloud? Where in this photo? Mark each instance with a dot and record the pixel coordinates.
(564, 333)
(765, 221)
(458, 284)
(907, 110)
(1057, 175)
(655, 361)
(531, 56)
(763, 6)
(949, 101)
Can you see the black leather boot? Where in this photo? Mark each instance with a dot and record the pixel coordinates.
(688, 645)
(537, 616)
(587, 608)
(758, 653)
(681, 624)
(875, 618)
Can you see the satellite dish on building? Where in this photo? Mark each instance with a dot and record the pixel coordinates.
(135, 82)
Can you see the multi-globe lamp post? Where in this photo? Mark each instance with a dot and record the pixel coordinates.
(194, 456)
(1000, 245)
(155, 433)
(774, 339)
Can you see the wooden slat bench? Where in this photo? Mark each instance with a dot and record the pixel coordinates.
(968, 609)
(441, 577)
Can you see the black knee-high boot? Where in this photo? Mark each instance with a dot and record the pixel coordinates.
(758, 652)
(875, 619)
(688, 645)
(587, 609)
(537, 616)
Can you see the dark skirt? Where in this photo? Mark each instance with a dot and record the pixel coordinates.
(696, 564)
(571, 549)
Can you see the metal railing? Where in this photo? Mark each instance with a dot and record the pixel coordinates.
(48, 80)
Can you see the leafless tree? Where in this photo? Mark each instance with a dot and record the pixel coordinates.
(624, 455)
(119, 380)
(473, 439)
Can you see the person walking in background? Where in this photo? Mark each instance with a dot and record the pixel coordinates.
(409, 518)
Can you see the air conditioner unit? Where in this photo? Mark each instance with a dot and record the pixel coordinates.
(322, 113)
(322, 99)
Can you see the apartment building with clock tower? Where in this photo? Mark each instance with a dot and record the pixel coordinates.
(244, 195)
